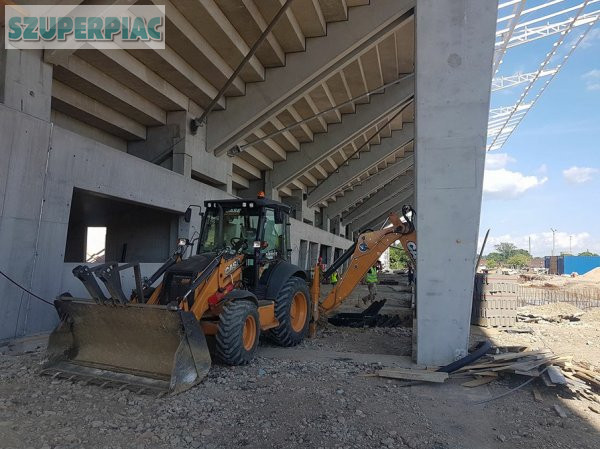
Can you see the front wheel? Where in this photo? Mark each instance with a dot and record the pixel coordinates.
(293, 311)
(238, 332)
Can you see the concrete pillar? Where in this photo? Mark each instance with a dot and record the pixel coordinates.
(25, 93)
(296, 203)
(455, 43)
(174, 146)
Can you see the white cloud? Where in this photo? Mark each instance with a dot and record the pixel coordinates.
(579, 175)
(592, 79)
(542, 169)
(506, 184)
(494, 161)
(541, 242)
(591, 39)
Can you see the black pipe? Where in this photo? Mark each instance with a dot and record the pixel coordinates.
(339, 261)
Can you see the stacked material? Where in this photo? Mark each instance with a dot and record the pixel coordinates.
(552, 369)
(494, 301)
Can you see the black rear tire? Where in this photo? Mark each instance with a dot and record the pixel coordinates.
(291, 330)
(236, 338)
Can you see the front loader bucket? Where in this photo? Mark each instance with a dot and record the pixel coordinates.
(134, 346)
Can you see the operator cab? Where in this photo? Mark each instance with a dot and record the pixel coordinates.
(258, 228)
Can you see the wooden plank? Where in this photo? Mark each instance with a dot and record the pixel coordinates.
(518, 355)
(412, 374)
(537, 395)
(556, 376)
(478, 382)
(530, 373)
(484, 373)
(547, 380)
(560, 411)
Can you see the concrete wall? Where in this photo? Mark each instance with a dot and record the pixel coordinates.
(43, 162)
(75, 161)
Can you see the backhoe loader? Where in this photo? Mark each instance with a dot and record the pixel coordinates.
(238, 285)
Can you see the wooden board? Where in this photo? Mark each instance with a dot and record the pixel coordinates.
(413, 374)
(560, 411)
(478, 382)
(556, 376)
(537, 394)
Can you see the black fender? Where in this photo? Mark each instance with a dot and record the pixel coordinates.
(277, 275)
(234, 295)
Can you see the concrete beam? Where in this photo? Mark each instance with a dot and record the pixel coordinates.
(249, 22)
(393, 204)
(84, 77)
(88, 110)
(221, 35)
(177, 71)
(367, 160)
(340, 134)
(192, 45)
(135, 74)
(375, 182)
(304, 70)
(373, 203)
(455, 46)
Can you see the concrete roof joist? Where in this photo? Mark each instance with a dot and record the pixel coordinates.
(221, 35)
(394, 144)
(345, 42)
(341, 134)
(137, 76)
(373, 204)
(188, 42)
(84, 77)
(393, 204)
(90, 111)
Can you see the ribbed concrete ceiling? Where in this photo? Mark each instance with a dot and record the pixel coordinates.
(124, 92)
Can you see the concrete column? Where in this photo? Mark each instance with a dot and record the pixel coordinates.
(173, 146)
(25, 93)
(296, 203)
(455, 43)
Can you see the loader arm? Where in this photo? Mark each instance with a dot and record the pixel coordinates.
(367, 249)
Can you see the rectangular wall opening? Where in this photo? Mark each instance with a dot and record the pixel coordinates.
(108, 229)
(95, 244)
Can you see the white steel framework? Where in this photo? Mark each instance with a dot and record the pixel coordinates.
(504, 120)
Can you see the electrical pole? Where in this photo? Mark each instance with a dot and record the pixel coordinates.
(570, 251)
(553, 240)
(530, 245)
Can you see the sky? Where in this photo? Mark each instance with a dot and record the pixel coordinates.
(547, 175)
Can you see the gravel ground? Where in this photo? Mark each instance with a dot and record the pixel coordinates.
(278, 403)
(321, 403)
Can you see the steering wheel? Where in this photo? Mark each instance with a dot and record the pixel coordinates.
(238, 243)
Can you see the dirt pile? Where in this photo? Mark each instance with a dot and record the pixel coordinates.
(593, 275)
(551, 312)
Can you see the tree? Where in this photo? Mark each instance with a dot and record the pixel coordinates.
(518, 260)
(505, 249)
(398, 258)
(504, 252)
(495, 258)
(588, 253)
(491, 264)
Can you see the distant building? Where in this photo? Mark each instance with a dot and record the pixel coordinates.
(571, 264)
(536, 262)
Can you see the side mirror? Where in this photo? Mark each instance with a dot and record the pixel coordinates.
(188, 215)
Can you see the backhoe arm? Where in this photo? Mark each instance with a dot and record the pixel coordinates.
(367, 249)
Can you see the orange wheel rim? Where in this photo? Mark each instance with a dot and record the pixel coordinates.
(298, 312)
(249, 334)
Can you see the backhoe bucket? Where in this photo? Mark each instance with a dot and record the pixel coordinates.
(134, 346)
